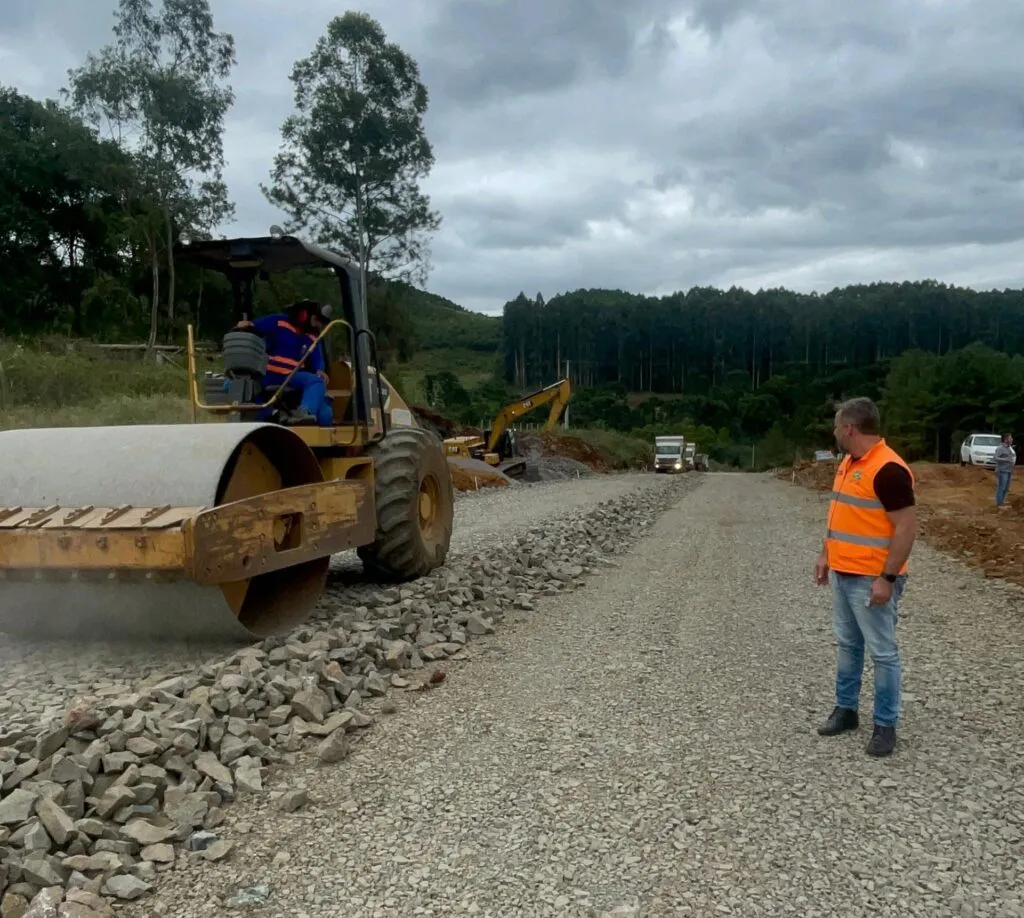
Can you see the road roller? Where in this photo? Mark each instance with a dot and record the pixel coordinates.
(223, 529)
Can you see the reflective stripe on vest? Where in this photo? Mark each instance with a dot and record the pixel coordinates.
(287, 326)
(854, 539)
(871, 503)
(281, 365)
(859, 531)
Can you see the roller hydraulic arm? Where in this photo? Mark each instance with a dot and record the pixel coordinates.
(557, 394)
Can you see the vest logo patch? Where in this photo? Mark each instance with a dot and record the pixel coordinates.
(856, 476)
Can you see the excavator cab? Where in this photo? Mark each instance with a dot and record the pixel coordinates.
(507, 445)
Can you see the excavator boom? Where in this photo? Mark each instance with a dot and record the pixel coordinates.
(557, 394)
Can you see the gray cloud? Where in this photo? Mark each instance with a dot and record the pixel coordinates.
(661, 144)
(488, 52)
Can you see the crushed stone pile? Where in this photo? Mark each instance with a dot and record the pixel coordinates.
(557, 458)
(554, 468)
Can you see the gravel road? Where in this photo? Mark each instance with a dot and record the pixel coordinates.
(487, 515)
(40, 679)
(645, 745)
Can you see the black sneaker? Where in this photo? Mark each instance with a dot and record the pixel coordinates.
(839, 721)
(883, 741)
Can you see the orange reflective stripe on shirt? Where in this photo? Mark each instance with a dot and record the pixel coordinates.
(281, 365)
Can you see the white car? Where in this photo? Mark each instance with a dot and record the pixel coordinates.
(980, 449)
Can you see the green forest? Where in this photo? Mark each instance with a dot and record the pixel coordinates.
(744, 371)
(97, 186)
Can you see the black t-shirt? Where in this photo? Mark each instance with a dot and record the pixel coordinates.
(894, 487)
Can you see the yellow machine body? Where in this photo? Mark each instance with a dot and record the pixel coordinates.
(470, 447)
(216, 531)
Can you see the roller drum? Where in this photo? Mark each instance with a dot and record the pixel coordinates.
(197, 465)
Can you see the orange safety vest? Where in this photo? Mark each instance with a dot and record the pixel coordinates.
(284, 365)
(859, 530)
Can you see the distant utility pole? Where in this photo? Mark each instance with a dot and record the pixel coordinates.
(566, 418)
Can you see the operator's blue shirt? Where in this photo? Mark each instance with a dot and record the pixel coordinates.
(286, 348)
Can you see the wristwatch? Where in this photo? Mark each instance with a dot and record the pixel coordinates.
(890, 577)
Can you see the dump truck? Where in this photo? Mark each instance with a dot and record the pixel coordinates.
(669, 454)
(695, 462)
(223, 529)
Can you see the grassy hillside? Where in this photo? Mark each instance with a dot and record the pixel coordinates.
(46, 385)
(439, 324)
(447, 338)
(43, 382)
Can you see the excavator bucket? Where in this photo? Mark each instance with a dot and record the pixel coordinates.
(201, 532)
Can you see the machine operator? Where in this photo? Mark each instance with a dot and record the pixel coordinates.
(289, 337)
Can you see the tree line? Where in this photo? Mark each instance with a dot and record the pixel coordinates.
(737, 369)
(97, 186)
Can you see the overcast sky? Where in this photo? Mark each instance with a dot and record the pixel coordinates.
(658, 144)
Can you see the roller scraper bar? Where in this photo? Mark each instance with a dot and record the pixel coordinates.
(207, 545)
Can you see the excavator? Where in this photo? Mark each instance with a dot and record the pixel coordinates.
(498, 446)
(223, 529)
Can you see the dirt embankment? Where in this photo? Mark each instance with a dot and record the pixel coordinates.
(957, 512)
(547, 458)
(472, 475)
(564, 446)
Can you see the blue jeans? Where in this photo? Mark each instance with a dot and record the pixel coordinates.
(1002, 486)
(857, 625)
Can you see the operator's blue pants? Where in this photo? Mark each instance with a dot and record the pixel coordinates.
(314, 398)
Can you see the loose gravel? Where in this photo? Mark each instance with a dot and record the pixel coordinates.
(40, 679)
(645, 745)
(133, 777)
(636, 741)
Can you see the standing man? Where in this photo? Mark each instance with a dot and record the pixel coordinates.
(871, 526)
(1005, 459)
